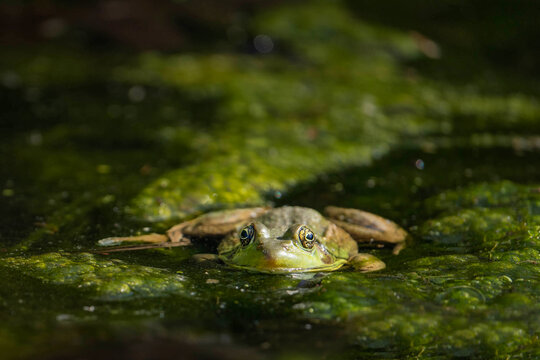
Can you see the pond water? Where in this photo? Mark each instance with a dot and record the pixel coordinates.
(341, 112)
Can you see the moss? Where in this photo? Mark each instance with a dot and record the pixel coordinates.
(491, 339)
(488, 218)
(100, 278)
(264, 140)
(470, 300)
(331, 37)
(471, 229)
(485, 195)
(277, 123)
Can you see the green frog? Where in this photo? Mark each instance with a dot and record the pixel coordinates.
(284, 239)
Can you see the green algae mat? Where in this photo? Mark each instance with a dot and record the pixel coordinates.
(340, 112)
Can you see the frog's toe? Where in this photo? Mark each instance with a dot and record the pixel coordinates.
(366, 263)
(110, 241)
(398, 247)
(149, 238)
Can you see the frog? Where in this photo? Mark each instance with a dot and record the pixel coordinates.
(286, 239)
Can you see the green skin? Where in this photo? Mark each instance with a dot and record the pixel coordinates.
(277, 248)
(278, 240)
(275, 254)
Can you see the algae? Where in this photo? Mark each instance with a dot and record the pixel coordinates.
(278, 124)
(98, 278)
(481, 303)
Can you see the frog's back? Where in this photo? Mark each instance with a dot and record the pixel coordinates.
(282, 218)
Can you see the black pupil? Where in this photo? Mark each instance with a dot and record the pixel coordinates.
(246, 234)
(309, 236)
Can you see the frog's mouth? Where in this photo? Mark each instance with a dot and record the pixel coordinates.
(281, 255)
(338, 263)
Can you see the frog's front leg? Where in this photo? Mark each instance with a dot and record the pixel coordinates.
(366, 263)
(213, 224)
(147, 239)
(368, 228)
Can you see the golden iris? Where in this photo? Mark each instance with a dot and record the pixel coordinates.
(246, 234)
(306, 237)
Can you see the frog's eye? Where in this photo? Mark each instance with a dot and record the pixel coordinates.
(247, 234)
(306, 237)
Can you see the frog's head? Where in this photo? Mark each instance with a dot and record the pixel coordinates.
(294, 249)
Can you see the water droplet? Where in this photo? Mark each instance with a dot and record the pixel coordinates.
(63, 317)
(419, 164)
(263, 43)
(35, 139)
(337, 187)
(136, 93)
(10, 79)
